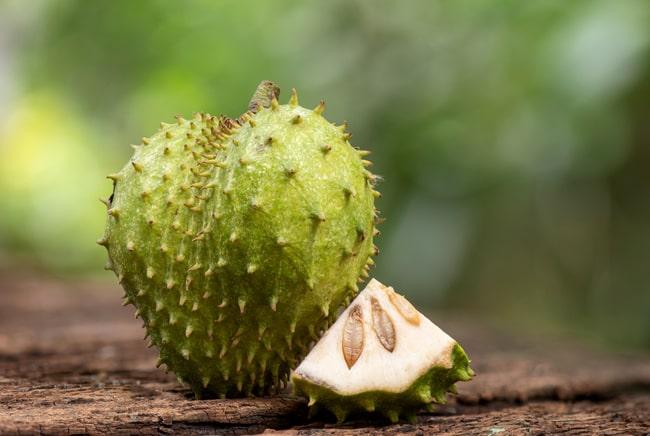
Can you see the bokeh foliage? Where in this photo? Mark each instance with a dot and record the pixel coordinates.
(513, 136)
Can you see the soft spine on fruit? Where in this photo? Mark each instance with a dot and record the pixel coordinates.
(425, 392)
(237, 240)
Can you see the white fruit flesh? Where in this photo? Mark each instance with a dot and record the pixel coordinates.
(368, 364)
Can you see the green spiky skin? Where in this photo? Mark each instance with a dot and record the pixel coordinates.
(238, 240)
(431, 387)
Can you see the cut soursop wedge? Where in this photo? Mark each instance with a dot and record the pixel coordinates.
(381, 355)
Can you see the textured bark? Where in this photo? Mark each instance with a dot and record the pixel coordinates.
(72, 360)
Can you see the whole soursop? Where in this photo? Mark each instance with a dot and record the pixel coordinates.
(381, 355)
(238, 240)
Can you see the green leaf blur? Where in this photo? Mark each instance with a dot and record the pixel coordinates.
(513, 137)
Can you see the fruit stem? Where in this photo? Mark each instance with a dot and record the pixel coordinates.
(264, 94)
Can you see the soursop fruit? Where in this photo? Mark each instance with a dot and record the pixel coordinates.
(381, 355)
(238, 240)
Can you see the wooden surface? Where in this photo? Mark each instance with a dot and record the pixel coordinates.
(72, 360)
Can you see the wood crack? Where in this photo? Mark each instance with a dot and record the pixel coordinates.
(76, 363)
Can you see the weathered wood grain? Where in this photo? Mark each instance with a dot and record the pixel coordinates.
(73, 361)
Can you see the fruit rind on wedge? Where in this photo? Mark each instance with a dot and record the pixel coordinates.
(383, 356)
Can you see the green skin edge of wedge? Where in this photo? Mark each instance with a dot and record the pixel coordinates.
(429, 388)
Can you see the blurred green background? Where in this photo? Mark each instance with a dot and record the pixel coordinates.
(513, 137)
